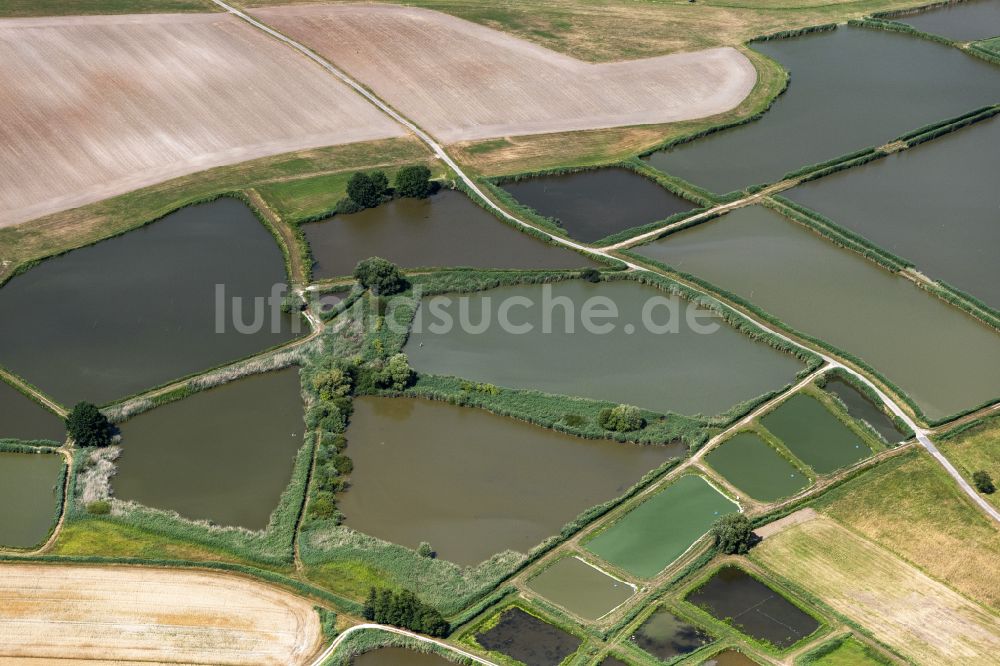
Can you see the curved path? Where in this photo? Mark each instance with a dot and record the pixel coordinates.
(325, 654)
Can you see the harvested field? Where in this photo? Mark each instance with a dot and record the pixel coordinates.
(921, 618)
(101, 105)
(103, 615)
(462, 81)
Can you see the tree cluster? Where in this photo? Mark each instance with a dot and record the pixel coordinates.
(367, 190)
(88, 426)
(331, 382)
(380, 275)
(621, 418)
(733, 534)
(404, 609)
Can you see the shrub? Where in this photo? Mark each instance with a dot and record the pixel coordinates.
(363, 190)
(323, 505)
(591, 275)
(380, 275)
(574, 420)
(88, 426)
(425, 550)
(984, 482)
(346, 206)
(99, 507)
(332, 383)
(622, 418)
(396, 373)
(733, 534)
(414, 181)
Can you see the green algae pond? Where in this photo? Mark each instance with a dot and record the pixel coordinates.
(935, 205)
(446, 229)
(963, 21)
(134, 311)
(224, 454)
(472, 483)
(863, 409)
(393, 656)
(597, 203)
(752, 607)
(658, 531)
(29, 497)
(581, 588)
(815, 435)
(23, 418)
(943, 358)
(682, 370)
(754, 467)
(851, 88)
(665, 636)
(528, 639)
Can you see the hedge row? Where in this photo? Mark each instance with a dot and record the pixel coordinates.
(784, 34)
(895, 26)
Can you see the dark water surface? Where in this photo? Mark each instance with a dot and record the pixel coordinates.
(963, 21)
(391, 656)
(528, 639)
(665, 636)
(23, 418)
(28, 497)
(860, 407)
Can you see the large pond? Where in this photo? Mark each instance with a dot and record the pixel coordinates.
(860, 407)
(944, 359)
(134, 311)
(446, 229)
(392, 656)
(665, 636)
(581, 588)
(683, 370)
(224, 454)
(753, 607)
(28, 496)
(850, 89)
(936, 205)
(23, 418)
(816, 436)
(528, 639)
(593, 204)
(472, 483)
(754, 467)
(663, 527)
(963, 21)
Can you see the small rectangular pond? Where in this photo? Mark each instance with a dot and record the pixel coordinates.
(682, 369)
(393, 656)
(736, 597)
(472, 483)
(816, 436)
(223, 455)
(597, 203)
(446, 229)
(961, 21)
(935, 205)
(729, 658)
(137, 310)
(665, 636)
(581, 588)
(23, 418)
(943, 358)
(861, 408)
(29, 497)
(851, 88)
(528, 639)
(658, 531)
(754, 467)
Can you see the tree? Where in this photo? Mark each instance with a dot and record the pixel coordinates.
(332, 383)
(363, 190)
(984, 482)
(88, 426)
(414, 181)
(621, 418)
(381, 182)
(733, 534)
(396, 373)
(380, 275)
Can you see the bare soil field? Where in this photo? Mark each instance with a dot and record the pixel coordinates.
(923, 619)
(103, 615)
(100, 105)
(462, 81)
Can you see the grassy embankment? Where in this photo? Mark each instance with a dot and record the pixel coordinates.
(73, 7)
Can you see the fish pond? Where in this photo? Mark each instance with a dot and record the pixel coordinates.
(674, 368)
(753, 466)
(581, 588)
(661, 528)
(23, 418)
(736, 597)
(392, 656)
(962, 21)
(593, 204)
(528, 639)
(29, 497)
(445, 229)
(134, 311)
(472, 483)
(224, 454)
(935, 205)
(943, 358)
(860, 407)
(729, 658)
(851, 88)
(815, 435)
(665, 636)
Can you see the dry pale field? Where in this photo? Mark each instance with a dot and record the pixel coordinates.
(90, 615)
(923, 619)
(461, 81)
(100, 105)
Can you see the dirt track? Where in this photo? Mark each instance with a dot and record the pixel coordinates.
(100, 105)
(459, 80)
(102, 615)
